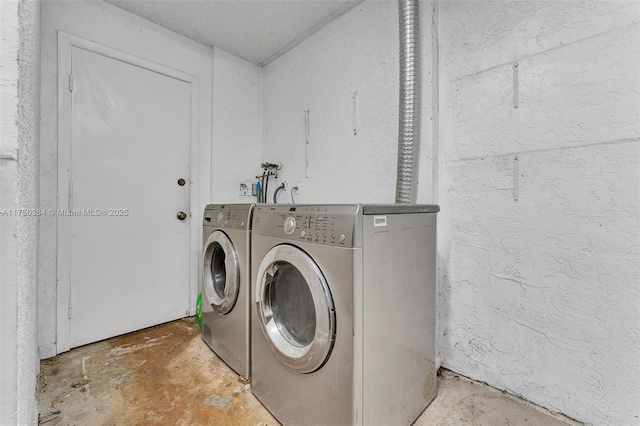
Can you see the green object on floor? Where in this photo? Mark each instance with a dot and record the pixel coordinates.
(199, 310)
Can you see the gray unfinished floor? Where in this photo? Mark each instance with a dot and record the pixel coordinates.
(167, 375)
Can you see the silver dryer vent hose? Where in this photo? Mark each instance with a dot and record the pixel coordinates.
(409, 114)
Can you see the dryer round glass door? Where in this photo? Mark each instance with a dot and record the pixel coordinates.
(221, 273)
(295, 308)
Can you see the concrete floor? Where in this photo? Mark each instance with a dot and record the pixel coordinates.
(168, 375)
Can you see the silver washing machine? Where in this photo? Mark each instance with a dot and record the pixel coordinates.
(344, 311)
(226, 322)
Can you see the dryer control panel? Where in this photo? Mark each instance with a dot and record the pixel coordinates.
(330, 225)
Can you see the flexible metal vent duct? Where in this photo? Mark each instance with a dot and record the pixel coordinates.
(409, 100)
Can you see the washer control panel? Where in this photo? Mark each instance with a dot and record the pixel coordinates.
(231, 216)
(331, 225)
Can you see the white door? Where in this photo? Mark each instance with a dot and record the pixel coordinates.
(130, 145)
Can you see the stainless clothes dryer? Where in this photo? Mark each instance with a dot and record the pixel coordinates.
(226, 281)
(343, 321)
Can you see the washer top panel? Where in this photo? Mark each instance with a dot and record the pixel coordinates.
(228, 216)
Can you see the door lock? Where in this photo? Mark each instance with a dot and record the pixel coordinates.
(181, 182)
(181, 215)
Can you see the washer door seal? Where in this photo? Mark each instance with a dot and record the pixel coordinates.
(295, 308)
(221, 275)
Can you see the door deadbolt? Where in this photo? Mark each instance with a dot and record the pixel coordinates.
(181, 215)
(181, 182)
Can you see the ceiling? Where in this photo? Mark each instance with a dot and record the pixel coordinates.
(256, 30)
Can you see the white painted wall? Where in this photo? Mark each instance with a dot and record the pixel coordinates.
(235, 152)
(112, 27)
(19, 92)
(539, 236)
(357, 52)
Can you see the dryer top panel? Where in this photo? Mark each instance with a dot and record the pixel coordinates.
(231, 216)
(368, 209)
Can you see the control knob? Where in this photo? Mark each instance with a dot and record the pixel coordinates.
(289, 225)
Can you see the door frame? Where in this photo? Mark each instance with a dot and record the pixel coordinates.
(63, 235)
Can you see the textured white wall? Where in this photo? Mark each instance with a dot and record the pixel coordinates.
(18, 189)
(356, 52)
(8, 200)
(28, 197)
(112, 27)
(539, 230)
(538, 244)
(539, 227)
(235, 152)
